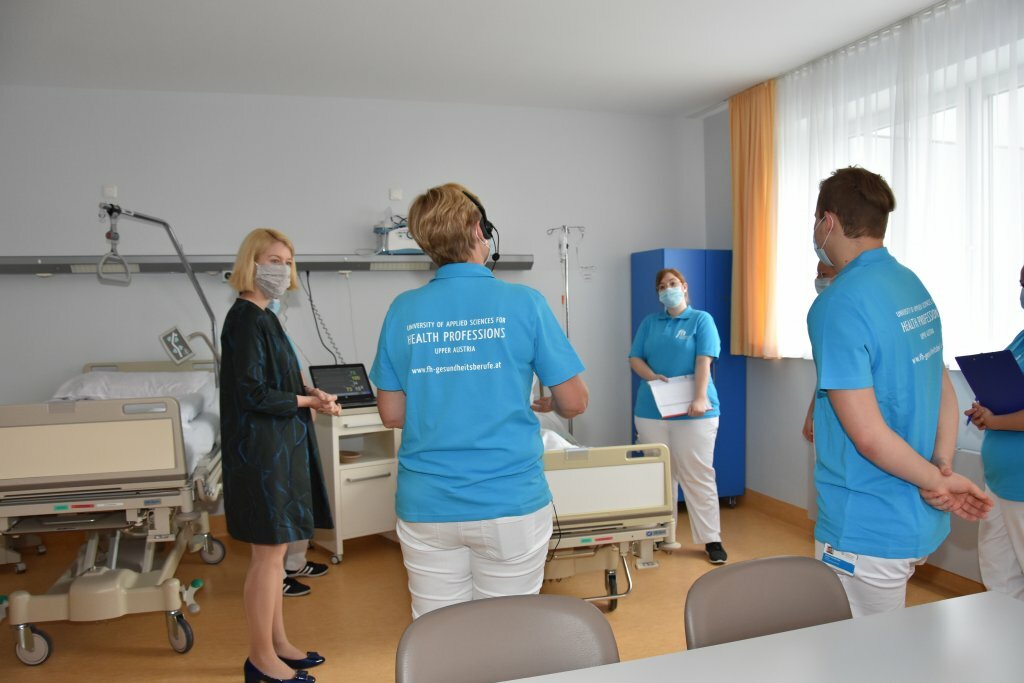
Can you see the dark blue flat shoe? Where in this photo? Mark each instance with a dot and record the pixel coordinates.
(254, 675)
(312, 659)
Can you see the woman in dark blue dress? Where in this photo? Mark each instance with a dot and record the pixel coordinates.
(273, 486)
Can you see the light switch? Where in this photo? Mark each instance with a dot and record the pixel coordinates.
(395, 194)
(110, 191)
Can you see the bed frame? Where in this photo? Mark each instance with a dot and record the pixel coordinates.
(610, 503)
(114, 469)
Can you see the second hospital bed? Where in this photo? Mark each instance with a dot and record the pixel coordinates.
(137, 474)
(612, 505)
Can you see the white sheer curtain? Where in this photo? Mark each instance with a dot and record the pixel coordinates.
(934, 104)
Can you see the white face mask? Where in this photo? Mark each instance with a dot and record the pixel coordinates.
(273, 279)
(820, 251)
(820, 283)
(671, 297)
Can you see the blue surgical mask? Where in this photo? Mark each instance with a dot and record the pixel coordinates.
(671, 297)
(274, 306)
(820, 283)
(820, 251)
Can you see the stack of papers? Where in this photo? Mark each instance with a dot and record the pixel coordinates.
(673, 397)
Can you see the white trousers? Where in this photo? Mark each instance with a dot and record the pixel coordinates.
(878, 584)
(692, 447)
(1001, 547)
(452, 562)
(295, 557)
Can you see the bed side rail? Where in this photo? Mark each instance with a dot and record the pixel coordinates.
(610, 485)
(77, 445)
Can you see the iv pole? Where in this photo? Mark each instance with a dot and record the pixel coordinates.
(113, 212)
(563, 256)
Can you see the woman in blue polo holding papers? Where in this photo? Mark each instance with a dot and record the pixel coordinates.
(454, 369)
(682, 341)
(1001, 535)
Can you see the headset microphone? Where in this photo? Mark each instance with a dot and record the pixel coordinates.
(486, 227)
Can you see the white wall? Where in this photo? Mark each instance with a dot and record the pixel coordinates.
(718, 181)
(217, 165)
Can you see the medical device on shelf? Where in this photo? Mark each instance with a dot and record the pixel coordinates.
(610, 504)
(395, 239)
(119, 470)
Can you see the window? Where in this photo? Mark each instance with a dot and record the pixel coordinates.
(936, 106)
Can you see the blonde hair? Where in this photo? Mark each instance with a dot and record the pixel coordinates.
(441, 221)
(243, 275)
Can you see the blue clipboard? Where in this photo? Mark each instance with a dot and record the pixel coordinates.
(996, 379)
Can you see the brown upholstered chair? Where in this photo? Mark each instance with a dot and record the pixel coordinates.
(498, 639)
(759, 597)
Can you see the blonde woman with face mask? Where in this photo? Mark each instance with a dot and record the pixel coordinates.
(273, 486)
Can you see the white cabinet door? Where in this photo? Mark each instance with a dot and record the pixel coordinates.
(367, 499)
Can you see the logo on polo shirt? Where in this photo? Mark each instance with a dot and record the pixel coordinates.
(681, 334)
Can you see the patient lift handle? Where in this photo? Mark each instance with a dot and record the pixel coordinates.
(112, 262)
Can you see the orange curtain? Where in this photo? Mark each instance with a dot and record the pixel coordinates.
(752, 153)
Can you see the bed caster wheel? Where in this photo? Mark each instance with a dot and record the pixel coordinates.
(20, 568)
(213, 551)
(335, 559)
(40, 549)
(611, 582)
(179, 633)
(42, 646)
(731, 501)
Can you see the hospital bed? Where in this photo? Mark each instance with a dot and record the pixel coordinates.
(137, 474)
(612, 505)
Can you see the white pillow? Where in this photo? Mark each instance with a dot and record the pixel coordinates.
(555, 432)
(191, 406)
(182, 386)
(554, 441)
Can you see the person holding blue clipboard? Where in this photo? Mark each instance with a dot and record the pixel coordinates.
(1001, 535)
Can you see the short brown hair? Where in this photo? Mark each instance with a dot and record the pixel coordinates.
(861, 199)
(243, 275)
(441, 221)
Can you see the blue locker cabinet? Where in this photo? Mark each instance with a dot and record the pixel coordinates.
(708, 273)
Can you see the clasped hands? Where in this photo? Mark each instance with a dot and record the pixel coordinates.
(957, 494)
(322, 402)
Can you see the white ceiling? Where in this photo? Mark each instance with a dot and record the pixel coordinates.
(650, 56)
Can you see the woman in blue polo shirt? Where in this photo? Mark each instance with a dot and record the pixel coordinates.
(1001, 535)
(683, 341)
(454, 368)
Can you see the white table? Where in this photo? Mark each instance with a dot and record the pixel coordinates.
(972, 638)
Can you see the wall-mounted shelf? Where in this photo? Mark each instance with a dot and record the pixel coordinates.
(86, 265)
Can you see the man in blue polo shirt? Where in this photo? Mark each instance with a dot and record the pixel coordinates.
(454, 369)
(885, 415)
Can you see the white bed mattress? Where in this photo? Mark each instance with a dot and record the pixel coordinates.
(199, 435)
